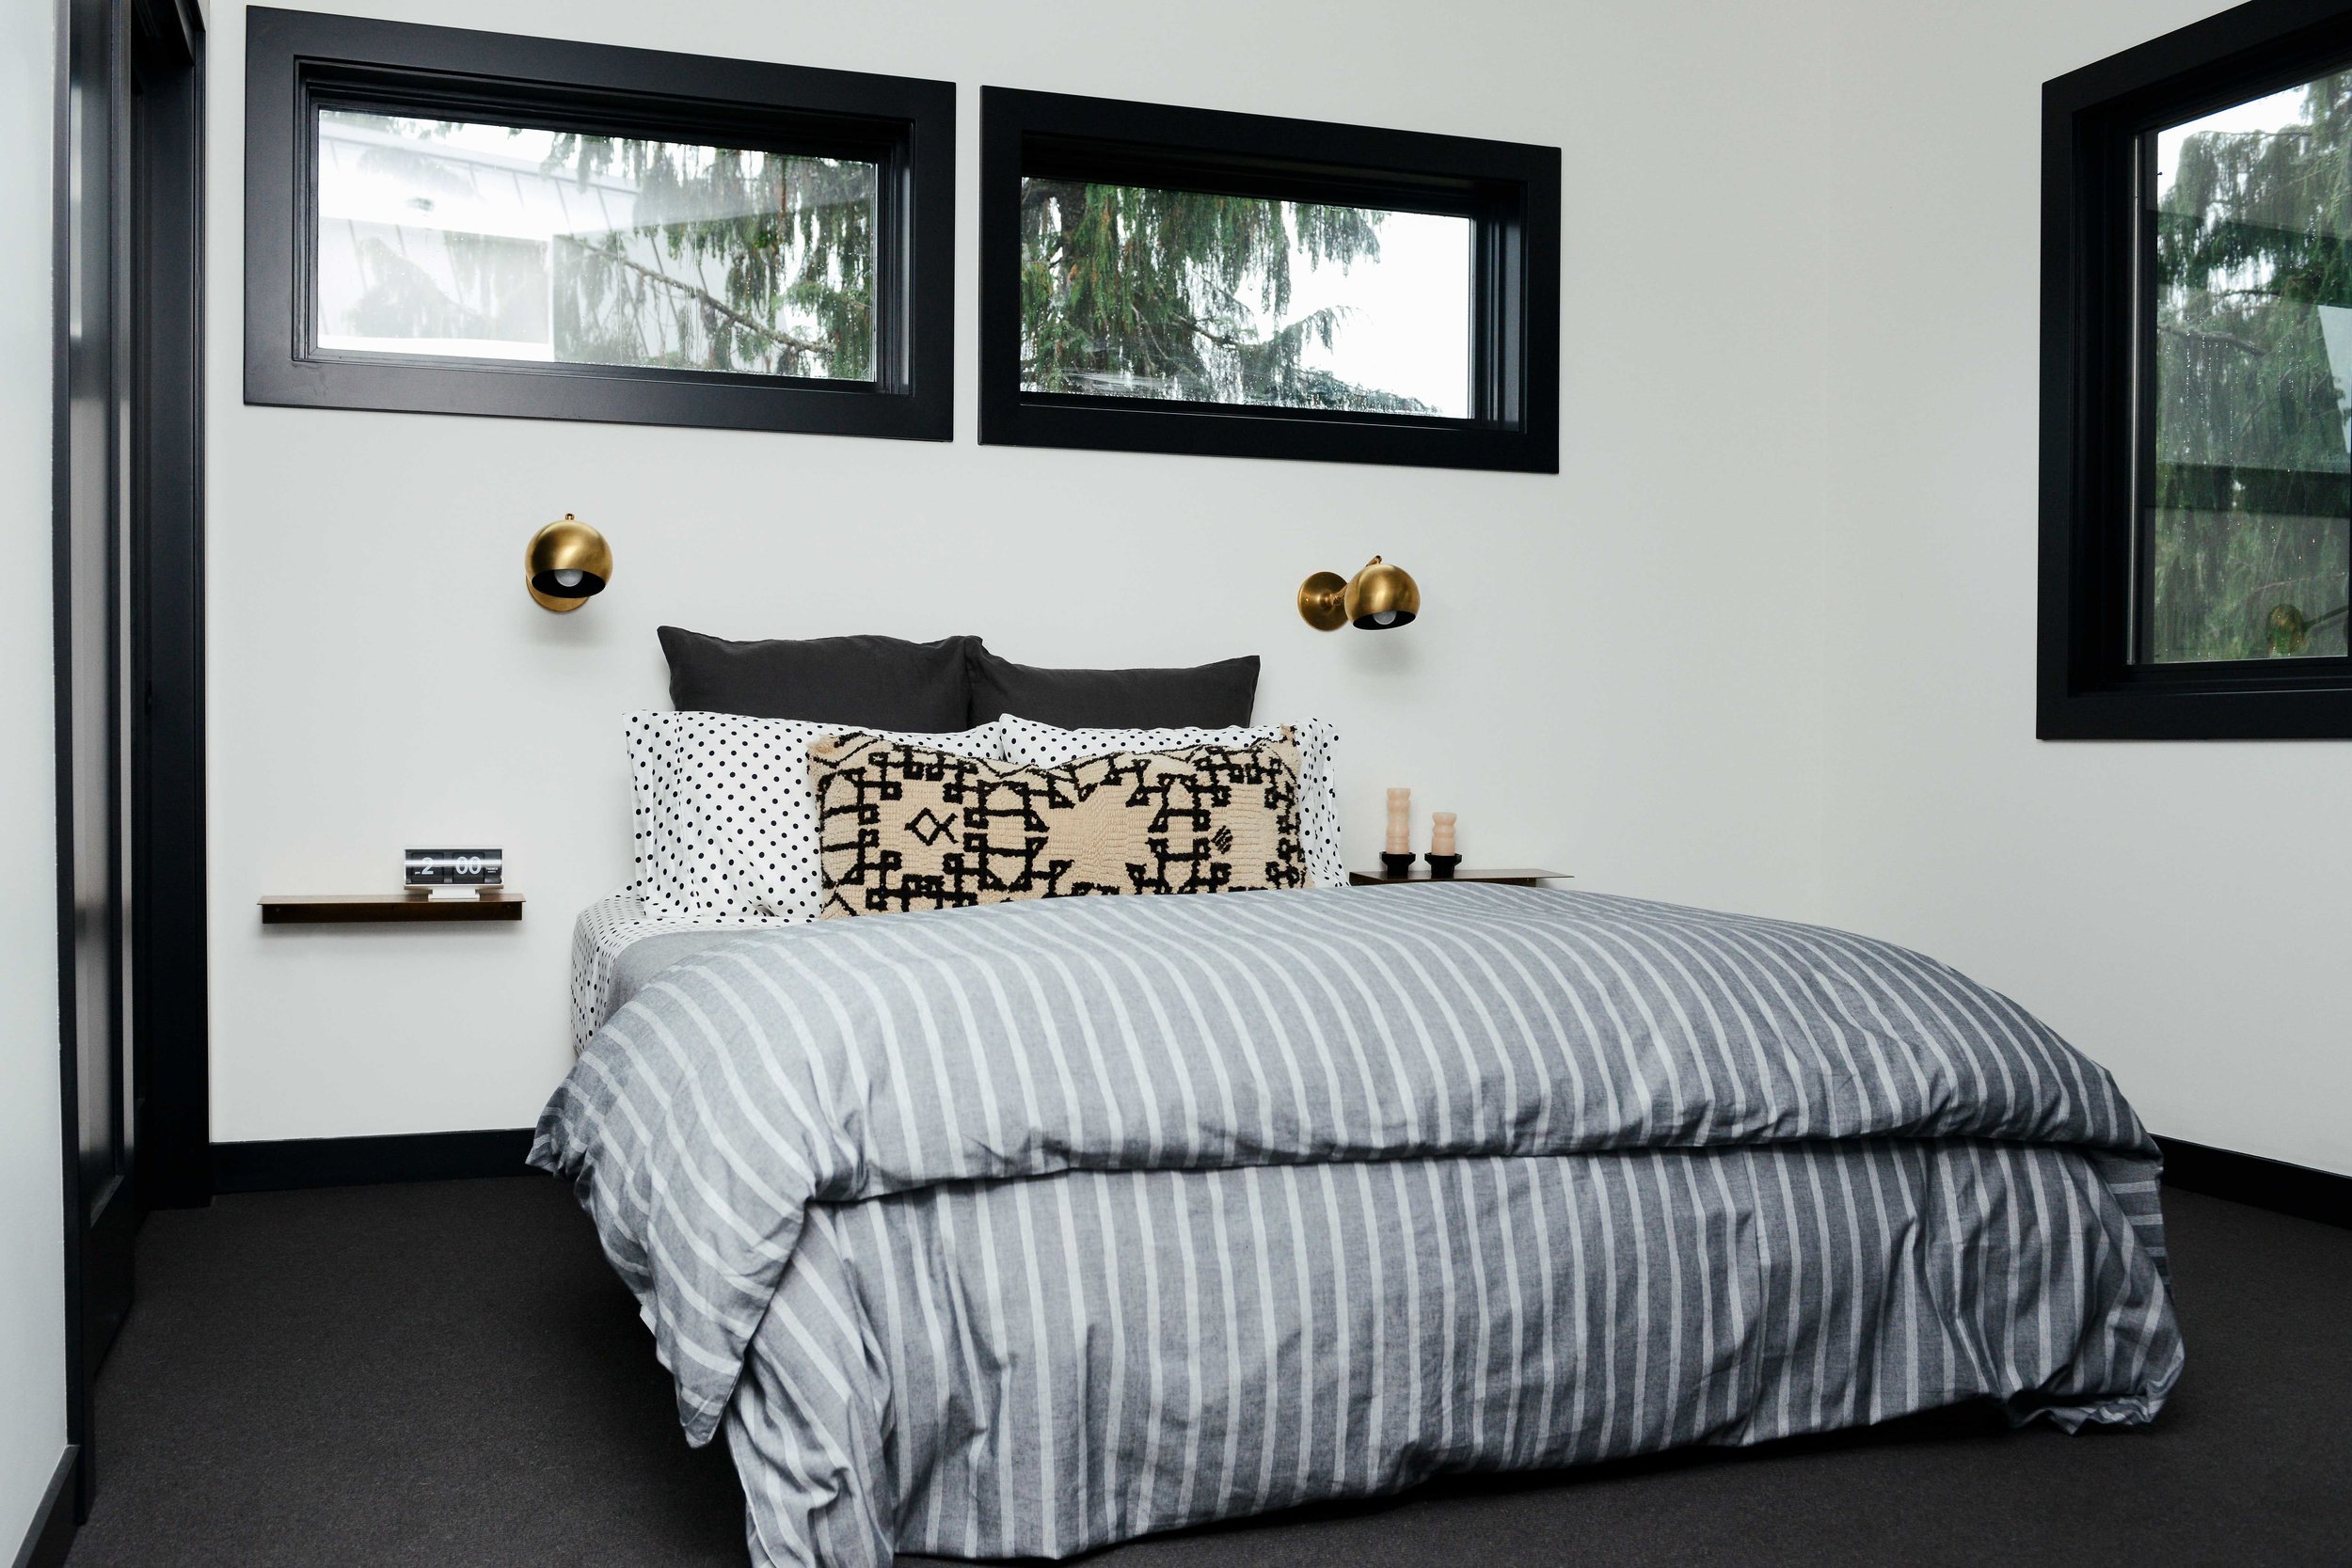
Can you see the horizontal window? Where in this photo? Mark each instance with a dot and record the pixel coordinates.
(2197, 386)
(1180, 280)
(470, 223)
(504, 242)
(1244, 301)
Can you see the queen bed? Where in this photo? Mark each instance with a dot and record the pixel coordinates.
(1022, 1227)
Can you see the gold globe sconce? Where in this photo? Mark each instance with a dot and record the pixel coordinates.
(1381, 597)
(566, 564)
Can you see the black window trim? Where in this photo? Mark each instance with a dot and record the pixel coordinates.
(299, 61)
(1511, 188)
(2089, 687)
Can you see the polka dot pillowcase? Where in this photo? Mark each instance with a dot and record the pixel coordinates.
(726, 822)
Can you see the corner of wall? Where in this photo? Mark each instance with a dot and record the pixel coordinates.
(32, 1253)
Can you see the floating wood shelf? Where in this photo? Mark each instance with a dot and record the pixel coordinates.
(384, 909)
(1515, 875)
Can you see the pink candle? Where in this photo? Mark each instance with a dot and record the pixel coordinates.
(1442, 833)
(1400, 821)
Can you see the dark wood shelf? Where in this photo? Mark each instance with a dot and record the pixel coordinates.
(387, 909)
(1515, 876)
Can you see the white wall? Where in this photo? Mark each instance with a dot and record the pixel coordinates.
(2178, 910)
(1617, 670)
(1766, 642)
(32, 1314)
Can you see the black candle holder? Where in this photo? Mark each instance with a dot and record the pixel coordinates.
(1396, 865)
(1441, 866)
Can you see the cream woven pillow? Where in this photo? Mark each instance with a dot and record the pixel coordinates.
(1025, 740)
(904, 826)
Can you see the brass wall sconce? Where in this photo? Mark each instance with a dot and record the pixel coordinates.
(1379, 598)
(566, 564)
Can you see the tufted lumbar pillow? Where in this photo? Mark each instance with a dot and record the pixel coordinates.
(904, 826)
(1025, 740)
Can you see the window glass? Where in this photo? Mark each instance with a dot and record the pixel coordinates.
(1133, 292)
(2247, 533)
(458, 239)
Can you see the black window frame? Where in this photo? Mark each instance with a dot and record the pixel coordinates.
(2095, 251)
(1509, 189)
(298, 61)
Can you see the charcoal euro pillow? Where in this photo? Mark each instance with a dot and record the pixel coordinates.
(880, 683)
(1207, 696)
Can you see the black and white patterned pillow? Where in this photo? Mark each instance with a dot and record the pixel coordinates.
(726, 825)
(914, 828)
(1035, 745)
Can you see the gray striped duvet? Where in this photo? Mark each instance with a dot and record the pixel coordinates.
(1014, 1230)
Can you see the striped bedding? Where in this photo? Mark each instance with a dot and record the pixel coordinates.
(1018, 1229)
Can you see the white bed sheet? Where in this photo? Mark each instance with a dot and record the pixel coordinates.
(604, 936)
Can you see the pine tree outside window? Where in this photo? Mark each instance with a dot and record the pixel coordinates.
(451, 238)
(2251, 514)
(1192, 296)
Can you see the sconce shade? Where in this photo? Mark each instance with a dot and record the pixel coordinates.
(1381, 597)
(566, 563)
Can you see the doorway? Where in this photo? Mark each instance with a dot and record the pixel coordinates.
(127, 553)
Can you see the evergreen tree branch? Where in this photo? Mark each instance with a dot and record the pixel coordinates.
(2228, 339)
(711, 301)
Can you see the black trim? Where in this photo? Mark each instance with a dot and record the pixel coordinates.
(2089, 687)
(294, 60)
(280, 1165)
(50, 1535)
(1511, 190)
(2266, 1184)
(170, 1042)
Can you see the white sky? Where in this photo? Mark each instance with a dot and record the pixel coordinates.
(494, 180)
(2274, 113)
(1408, 330)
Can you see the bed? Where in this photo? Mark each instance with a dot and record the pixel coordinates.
(1018, 1228)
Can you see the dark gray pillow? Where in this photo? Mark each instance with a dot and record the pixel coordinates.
(1208, 696)
(880, 683)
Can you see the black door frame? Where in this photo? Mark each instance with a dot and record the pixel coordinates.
(161, 172)
(170, 1049)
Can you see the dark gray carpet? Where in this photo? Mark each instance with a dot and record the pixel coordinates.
(446, 1373)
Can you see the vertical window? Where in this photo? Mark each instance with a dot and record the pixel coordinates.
(1179, 281)
(2197, 394)
(2249, 508)
(470, 223)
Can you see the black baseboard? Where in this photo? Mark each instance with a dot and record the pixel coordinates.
(51, 1533)
(288, 1163)
(2297, 1190)
(279, 1164)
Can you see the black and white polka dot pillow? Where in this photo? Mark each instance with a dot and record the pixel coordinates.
(1035, 745)
(726, 823)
